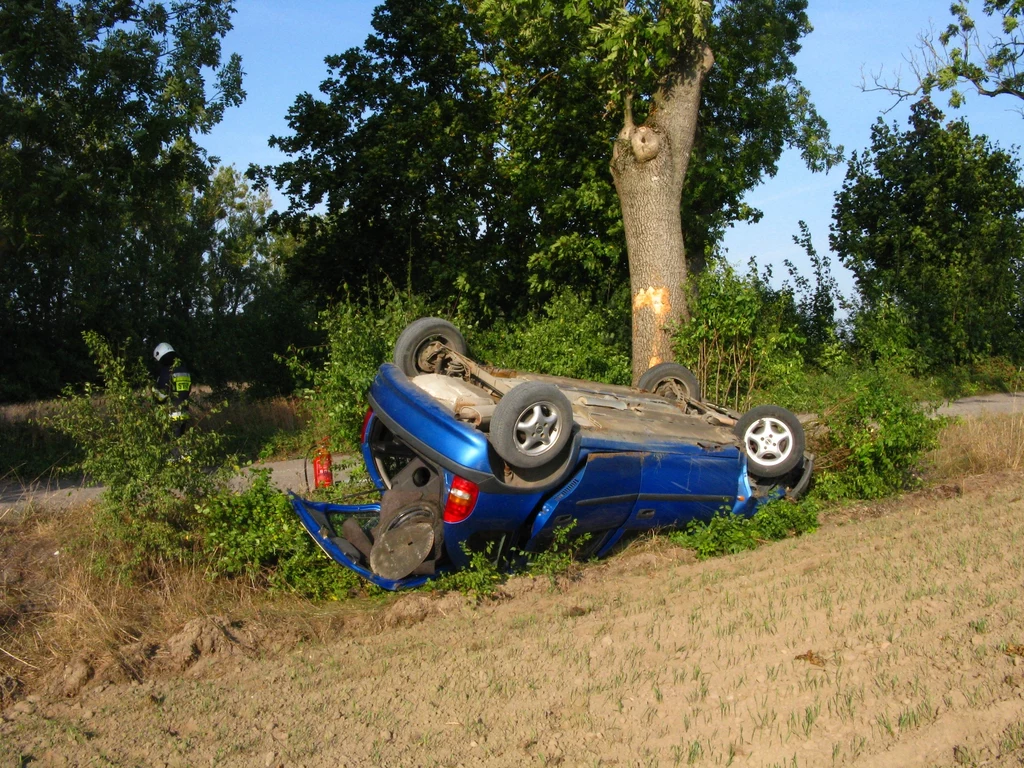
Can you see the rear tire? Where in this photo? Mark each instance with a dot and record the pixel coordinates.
(419, 347)
(671, 381)
(531, 425)
(773, 439)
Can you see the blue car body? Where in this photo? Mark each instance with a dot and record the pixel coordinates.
(606, 482)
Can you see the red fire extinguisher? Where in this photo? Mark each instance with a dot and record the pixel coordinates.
(323, 476)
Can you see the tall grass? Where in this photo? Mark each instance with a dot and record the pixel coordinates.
(980, 445)
(272, 428)
(28, 449)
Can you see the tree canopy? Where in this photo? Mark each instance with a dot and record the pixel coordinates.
(100, 105)
(930, 219)
(466, 146)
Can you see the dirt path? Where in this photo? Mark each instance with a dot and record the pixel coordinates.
(895, 639)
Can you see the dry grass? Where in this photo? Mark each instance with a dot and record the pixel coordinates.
(976, 446)
(273, 428)
(28, 449)
(277, 414)
(61, 596)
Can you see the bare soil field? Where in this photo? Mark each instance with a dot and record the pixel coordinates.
(894, 636)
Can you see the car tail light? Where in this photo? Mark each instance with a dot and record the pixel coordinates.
(461, 500)
(366, 423)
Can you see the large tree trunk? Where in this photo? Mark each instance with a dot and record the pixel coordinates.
(649, 165)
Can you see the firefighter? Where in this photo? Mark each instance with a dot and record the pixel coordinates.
(173, 385)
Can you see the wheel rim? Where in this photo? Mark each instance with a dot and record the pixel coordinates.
(769, 441)
(537, 429)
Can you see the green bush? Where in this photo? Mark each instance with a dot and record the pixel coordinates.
(336, 376)
(883, 335)
(559, 558)
(727, 533)
(257, 534)
(571, 337)
(871, 439)
(152, 481)
(741, 336)
(478, 580)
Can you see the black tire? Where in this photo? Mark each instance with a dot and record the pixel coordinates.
(773, 440)
(417, 345)
(670, 380)
(531, 425)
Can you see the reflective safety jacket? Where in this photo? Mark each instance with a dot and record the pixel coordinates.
(173, 386)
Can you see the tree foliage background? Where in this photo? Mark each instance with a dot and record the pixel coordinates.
(931, 222)
(462, 154)
(112, 218)
(464, 148)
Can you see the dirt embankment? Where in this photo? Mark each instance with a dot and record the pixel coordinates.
(892, 637)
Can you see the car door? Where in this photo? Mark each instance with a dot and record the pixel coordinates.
(599, 498)
(690, 483)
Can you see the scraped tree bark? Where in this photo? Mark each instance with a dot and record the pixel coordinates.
(649, 164)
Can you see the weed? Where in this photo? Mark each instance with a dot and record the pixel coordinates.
(728, 533)
(256, 534)
(1012, 738)
(478, 580)
(559, 557)
(885, 723)
(871, 441)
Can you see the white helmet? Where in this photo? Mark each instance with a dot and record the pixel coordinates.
(162, 349)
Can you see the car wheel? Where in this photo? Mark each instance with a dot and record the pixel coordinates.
(531, 424)
(418, 347)
(773, 440)
(671, 381)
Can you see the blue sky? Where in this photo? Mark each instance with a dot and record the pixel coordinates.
(283, 46)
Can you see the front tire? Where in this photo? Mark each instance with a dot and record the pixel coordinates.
(420, 346)
(773, 439)
(531, 424)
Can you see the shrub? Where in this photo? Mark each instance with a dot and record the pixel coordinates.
(152, 481)
(727, 533)
(559, 558)
(256, 534)
(359, 337)
(741, 336)
(479, 579)
(870, 441)
(571, 337)
(882, 334)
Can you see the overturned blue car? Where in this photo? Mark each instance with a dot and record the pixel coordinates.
(470, 458)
